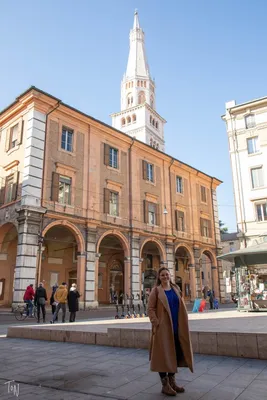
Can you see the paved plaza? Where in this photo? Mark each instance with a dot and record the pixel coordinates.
(50, 370)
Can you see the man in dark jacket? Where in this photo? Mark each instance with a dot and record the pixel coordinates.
(73, 301)
(28, 298)
(39, 300)
(53, 303)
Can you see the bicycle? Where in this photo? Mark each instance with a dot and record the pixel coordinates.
(21, 312)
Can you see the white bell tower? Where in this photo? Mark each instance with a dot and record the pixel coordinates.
(138, 117)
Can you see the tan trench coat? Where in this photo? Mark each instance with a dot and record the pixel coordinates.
(162, 346)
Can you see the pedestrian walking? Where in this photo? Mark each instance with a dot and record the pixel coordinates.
(61, 297)
(53, 303)
(211, 299)
(28, 299)
(39, 301)
(170, 346)
(73, 301)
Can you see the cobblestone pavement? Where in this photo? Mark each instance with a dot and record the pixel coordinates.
(50, 370)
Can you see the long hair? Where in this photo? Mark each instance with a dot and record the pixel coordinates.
(158, 282)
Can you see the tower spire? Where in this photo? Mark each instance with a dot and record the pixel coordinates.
(138, 116)
(137, 61)
(136, 20)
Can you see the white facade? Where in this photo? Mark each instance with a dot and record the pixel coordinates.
(247, 134)
(138, 117)
(229, 243)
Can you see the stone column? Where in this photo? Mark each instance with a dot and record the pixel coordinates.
(135, 267)
(221, 281)
(27, 260)
(198, 280)
(91, 275)
(192, 273)
(215, 281)
(81, 266)
(127, 275)
(170, 259)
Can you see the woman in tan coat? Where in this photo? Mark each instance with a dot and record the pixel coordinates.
(170, 343)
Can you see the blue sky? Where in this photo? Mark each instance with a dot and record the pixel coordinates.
(202, 53)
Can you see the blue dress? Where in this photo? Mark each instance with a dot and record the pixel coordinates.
(173, 301)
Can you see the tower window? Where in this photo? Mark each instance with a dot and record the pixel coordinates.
(128, 120)
(156, 125)
(153, 122)
(138, 83)
(129, 99)
(141, 98)
(134, 118)
(144, 83)
(152, 101)
(150, 119)
(123, 121)
(132, 84)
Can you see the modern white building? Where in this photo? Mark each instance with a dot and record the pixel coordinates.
(138, 116)
(246, 126)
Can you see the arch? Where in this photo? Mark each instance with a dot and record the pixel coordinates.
(128, 119)
(138, 83)
(210, 254)
(141, 97)
(4, 230)
(76, 232)
(160, 247)
(134, 117)
(157, 125)
(190, 252)
(121, 238)
(123, 121)
(142, 83)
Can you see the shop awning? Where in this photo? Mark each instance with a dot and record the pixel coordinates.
(247, 256)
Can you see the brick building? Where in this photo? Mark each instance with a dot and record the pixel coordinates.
(81, 201)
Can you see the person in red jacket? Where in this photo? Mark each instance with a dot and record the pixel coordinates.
(28, 299)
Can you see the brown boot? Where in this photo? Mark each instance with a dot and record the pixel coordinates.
(166, 389)
(177, 389)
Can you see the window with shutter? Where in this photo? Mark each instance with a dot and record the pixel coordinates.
(14, 136)
(15, 186)
(114, 204)
(205, 227)
(106, 201)
(145, 211)
(55, 186)
(9, 188)
(150, 172)
(180, 221)
(67, 139)
(64, 190)
(203, 194)
(113, 157)
(2, 192)
(153, 214)
(179, 185)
